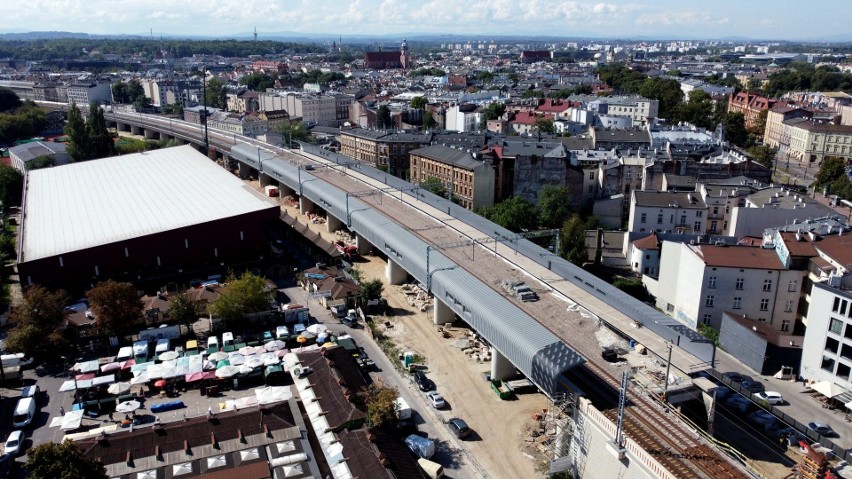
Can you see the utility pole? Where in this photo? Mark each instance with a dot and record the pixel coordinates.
(204, 97)
(668, 368)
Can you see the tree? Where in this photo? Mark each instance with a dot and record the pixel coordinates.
(175, 108)
(434, 186)
(492, 112)
(99, 143)
(116, 306)
(572, 241)
(759, 127)
(765, 155)
(633, 287)
(383, 118)
(62, 461)
(419, 102)
(8, 99)
(735, 130)
(372, 289)
(40, 314)
(515, 214)
(428, 121)
(217, 94)
(831, 168)
(380, 403)
(11, 186)
(258, 81)
(484, 76)
(75, 129)
(183, 310)
(544, 125)
(698, 110)
(39, 162)
(294, 131)
(242, 295)
(553, 205)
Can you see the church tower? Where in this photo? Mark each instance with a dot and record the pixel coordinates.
(404, 59)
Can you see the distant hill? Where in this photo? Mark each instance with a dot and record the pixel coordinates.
(59, 35)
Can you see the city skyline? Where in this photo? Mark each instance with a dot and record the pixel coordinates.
(664, 19)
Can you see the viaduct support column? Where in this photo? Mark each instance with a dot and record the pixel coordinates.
(305, 205)
(135, 130)
(243, 171)
(150, 134)
(364, 246)
(441, 313)
(285, 191)
(332, 224)
(264, 179)
(395, 273)
(501, 367)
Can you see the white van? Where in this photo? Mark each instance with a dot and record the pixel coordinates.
(140, 351)
(162, 346)
(24, 412)
(282, 333)
(30, 391)
(227, 341)
(433, 470)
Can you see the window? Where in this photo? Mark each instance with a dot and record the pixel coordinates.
(708, 301)
(835, 326)
(785, 325)
(696, 226)
(713, 225)
(683, 220)
(848, 332)
(643, 218)
(846, 352)
(790, 304)
(669, 308)
(707, 318)
(793, 285)
(827, 364)
(739, 283)
(842, 371)
(591, 175)
(738, 302)
(764, 304)
(660, 219)
(843, 306)
(711, 282)
(767, 285)
(699, 214)
(836, 305)
(715, 210)
(831, 345)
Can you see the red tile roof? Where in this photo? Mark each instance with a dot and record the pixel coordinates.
(739, 257)
(838, 248)
(648, 242)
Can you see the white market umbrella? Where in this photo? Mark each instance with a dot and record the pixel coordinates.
(274, 345)
(237, 359)
(218, 356)
(168, 356)
(308, 335)
(140, 378)
(827, 389)
(245, 369)
(110, 367)
(254, 362)
(209, 365)
(248, 350)
(128, 406)
(118, 388)
(72, 420)
(316, 328)
(227, 371)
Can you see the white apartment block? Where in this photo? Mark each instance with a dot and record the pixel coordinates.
(639, 109)
(661, 211)
(320, 109)
(86, 93)
(710, 279)
(771, 207)
(463, 118)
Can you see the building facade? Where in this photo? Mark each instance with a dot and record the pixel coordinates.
(381, 149)
(750, 105)
(661, 211)
(86, 93)
(469, 180)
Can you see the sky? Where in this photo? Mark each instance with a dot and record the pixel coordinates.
(686, 19)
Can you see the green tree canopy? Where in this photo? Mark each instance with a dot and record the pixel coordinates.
(553, 205)
(515, 214)
(11, 186)
(492, 112)
(258, 81)
(26, 121)
(383, 118)
(294, 131)
(434, 186)
(99, 143)
(8, 99)
(372, 289)
(242, 295)
(419, 102)
(62, 461)
(545, 125)
(572, 241)
(633, 287)
(381, 405)
(127, 92)
(698, 110)
(37, 321)
(75, 129)
(183, 310)
(116, 307)
(217, 94)
(765, 155)
(39, 162)
(735, 130)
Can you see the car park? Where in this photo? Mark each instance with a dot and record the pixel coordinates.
(459, 427)
(13, 443)
(770, 397)
(752, 386)
(822, 429)
(422, 381)
(436, 399)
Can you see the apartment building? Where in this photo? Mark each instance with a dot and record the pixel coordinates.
(323, 109)
(168, 92)
(750, 105)
(640, 110)
(86, 93)
(662, 211)
(248, 124)
(777, 133)
(382, 149)
(468, 179)
(811, 141)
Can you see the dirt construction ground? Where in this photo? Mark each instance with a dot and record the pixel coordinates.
(499, 446)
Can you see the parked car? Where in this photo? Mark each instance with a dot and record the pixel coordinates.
(771, 397)
(822, 429)
(734, 377)
(459, 427)
(752, 386)
(422, 381)
(13, 443)
(436, 399)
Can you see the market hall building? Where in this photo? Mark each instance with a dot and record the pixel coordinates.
(137, 216)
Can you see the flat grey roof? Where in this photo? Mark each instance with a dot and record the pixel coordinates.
(450, 156)
(92, 203)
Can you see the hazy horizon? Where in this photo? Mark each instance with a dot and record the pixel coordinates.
(664, 19)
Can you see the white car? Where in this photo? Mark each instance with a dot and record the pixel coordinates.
(771, 397)
(13, 443)
(436, 399)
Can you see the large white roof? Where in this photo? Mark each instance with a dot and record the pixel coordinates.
(92, 203)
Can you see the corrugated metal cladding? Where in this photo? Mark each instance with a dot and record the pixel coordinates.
(532, 348)
(654, 320)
